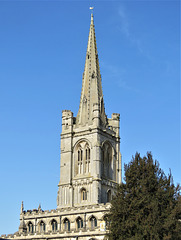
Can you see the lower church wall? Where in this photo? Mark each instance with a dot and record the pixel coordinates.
(76, 223)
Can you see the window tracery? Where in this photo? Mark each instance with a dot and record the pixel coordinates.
(54, 225)
(93, 222)
(80, 161)
(66, 223)
(87, 159)
(30, 227)
(82, 155)
(107, 161)
(42, 227)
(79, 222)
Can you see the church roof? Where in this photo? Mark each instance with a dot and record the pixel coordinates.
(91, 84)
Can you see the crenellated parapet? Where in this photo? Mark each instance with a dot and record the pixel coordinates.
(57, 222)
(114, 123)
(67, 121)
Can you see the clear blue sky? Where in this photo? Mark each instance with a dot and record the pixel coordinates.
(42, 54)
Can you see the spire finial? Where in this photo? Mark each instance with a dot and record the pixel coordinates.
(92, 20)
(91, 8)
(22, 207)
(39, 207)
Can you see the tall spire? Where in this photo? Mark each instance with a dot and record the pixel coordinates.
(91, 84)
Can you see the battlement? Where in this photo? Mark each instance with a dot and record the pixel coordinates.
(116, 116)
(67, 120)
(62, 211)
(114, 123)
(33, 220)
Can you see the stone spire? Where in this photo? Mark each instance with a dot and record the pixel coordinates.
(91, 95)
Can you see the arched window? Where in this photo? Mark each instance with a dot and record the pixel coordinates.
(54, 225)
(79, 222)
(87, 159)
(42, 227)
(66, 224)
(81, 154)
(80, 161)
(93, 222)
(107, 165)
(109, 196)
(87, 153)
(83, 194)
(30, 227)
(78, 156)
(81, 158)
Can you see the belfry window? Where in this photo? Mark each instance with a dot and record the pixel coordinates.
(87, 151)
(86, 154)
(79, 223)
(80, 161)
(66, 223)
(30, 227)
(78, 155)
(87, 159)
(82, 155)
(54, 225)
(107, 161)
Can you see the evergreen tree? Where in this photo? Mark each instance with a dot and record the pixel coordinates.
(147, 206)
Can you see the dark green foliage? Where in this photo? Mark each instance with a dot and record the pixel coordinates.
(147, 206)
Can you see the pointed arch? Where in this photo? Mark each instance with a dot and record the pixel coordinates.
(82, 140)
(66, 224)
(92, 222)
(42, 226)
(83, 193)
(30, 227)
(79, 223)
(79, 159)
(107, 170)
(87, 158)
(54, 225)
(81, 156)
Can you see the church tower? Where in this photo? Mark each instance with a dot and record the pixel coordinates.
(90, 167)
(90, 142)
